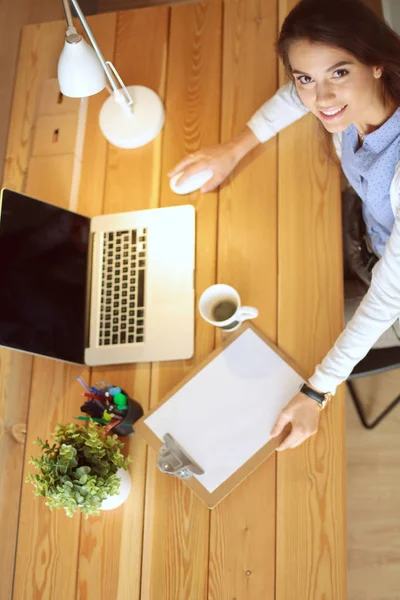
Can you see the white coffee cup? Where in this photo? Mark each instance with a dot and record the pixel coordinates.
(220, 305)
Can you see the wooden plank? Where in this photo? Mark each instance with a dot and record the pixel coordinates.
(40, 48)
(16, 367)
(55, 134)
(133, 176)
(47, 188)
(175, 555)
(15, 375)
(57, 147)
(95, 147)
(105, 5)
(111, 545)
(48, 543)
(47, 551)
(311, 479)
(242, 549)
(13, 16)
(314, 472)
(48, 10)
(52, 102)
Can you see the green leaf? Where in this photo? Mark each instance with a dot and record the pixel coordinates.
(78, 471)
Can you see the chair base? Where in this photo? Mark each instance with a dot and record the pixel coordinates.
(360, 412)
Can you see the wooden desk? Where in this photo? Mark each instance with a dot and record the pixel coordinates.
(274, 233)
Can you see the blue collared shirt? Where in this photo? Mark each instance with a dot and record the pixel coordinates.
(370, 170)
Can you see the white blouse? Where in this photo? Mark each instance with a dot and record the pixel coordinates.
(380, 306)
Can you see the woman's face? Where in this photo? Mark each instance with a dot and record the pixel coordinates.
(334, 85)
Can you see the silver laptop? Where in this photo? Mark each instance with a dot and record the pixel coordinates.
(109, 290)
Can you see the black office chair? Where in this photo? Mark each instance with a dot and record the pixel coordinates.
(376, 361)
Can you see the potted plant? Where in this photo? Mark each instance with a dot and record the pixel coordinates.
(83, 470)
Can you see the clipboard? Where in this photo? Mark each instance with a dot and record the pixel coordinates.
(212, 429)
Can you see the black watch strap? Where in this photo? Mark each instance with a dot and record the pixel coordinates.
(317, 396)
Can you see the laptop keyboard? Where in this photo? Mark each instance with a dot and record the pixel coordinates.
(122, 309)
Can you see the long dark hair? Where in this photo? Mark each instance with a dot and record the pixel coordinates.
(352, 26)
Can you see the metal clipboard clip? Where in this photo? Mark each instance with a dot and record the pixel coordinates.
(173, 460)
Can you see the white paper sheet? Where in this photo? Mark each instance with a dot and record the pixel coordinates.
(224, 414)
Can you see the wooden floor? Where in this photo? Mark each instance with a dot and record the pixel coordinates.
(373, 488)
(373, 493)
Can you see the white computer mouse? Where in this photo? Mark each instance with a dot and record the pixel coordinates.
(195, 182)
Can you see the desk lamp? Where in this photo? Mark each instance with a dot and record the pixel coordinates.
(132, 116)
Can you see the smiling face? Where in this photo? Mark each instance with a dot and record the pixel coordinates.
(336, 87)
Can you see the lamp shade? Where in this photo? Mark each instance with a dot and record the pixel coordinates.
(80, 73)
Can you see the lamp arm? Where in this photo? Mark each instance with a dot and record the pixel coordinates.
(68, 17)
(110, 72)
(91, 37)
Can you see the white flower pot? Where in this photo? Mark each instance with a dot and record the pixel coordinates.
(125, 488)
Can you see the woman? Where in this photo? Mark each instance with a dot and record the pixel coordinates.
(343, 63)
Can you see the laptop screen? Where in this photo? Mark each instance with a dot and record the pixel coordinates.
(44, 253)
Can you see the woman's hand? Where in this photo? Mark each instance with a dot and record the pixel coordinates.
(304, 414)
(220, 159)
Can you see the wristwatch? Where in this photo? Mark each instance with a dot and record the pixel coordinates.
(322, 399)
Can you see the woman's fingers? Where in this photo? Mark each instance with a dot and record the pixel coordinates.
(296, 437)
(280, 424)
(191, 170)
(291, 441)
(304, 415)
(220, 159)
(212, 184)
(190, 159)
